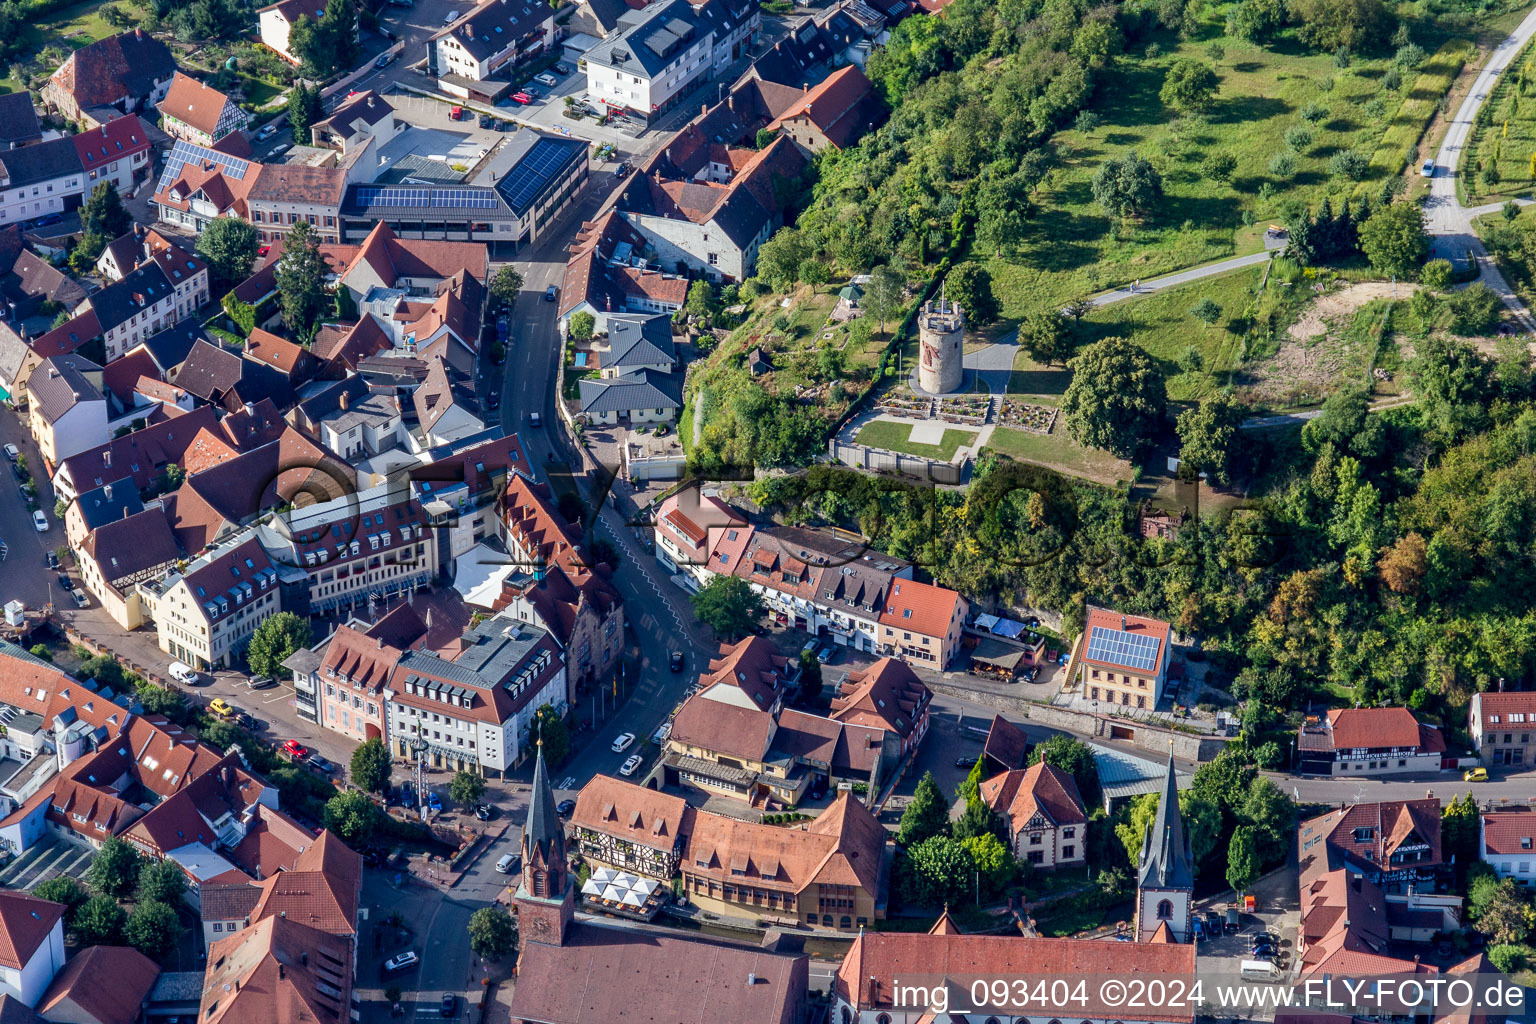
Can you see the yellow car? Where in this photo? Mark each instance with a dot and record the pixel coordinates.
(1475, 775)
(219, 708)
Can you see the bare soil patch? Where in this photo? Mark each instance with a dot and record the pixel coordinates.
(1326, 313)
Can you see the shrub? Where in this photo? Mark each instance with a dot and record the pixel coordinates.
(1436, 275)
(1299, 137)
(1410, 56)
(1314, 112)
(1283, 164)
(1349, 163)
(1392, 80)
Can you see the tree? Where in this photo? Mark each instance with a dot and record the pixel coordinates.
(729, 606)
(229, 245)
(1436, 275)
(99, 921)
(62, 889)
(925, 816)
(1208, 435)
(1190, 85)
(971, 285)
(549, 728)
(1207, 311)
(581, 325)
(370, 767)
(466, 788)
(1349, 163)
(1073, 757)
(351, 815)
(764, 137)
(701, 300)
(1474, 310)
(82, 258)
(161, 881)
(1499, 908)
(1452, 381)
(274, 640)
(1219, 166)
(114, 871)
(1394, 239)
(1460, 827)
(779, 258)
(978, 819)
(815, 273)
(993, 864)
(1256, 21)
(103, 213)
(1043, 334)
(506, 285)
(1202, 824)
(492, 933)
(303, 109)
(1358, 25)
(1128, 186)
(829, 363)
(1345, 423)
(1403, 565)
(809, 689)
(883, 293)
(1116, 398)
(41, 650)
(1242, 860)
(938, 871)
(153, 928)
(301, 281)
(1271, 816)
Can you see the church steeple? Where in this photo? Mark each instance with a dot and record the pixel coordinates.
(1165, 882)
(1165, 853)
(546, 904)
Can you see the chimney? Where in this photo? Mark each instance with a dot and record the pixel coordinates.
(279, 970)
(752, 978)
(346, 400)
(107, 490)
(125, 511)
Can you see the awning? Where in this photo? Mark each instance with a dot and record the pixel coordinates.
(646, 886)
(625, 880)
(1007, 627)
(592, 888)
(603, 875)
(986, 621)
(613, 893)
(633, 899)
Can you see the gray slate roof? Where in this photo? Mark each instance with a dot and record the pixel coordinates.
(60, 383)
(490, 27)
(635, 340)
(118, 303)
(652, 41)
(1165, 853)
(42, 162)
(18, 120)
(641, 389)
(109, 503)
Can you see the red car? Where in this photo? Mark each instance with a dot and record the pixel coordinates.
(295, 749)
(263, 250)
(521, 97)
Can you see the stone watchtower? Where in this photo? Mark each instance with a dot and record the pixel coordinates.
(941, 359)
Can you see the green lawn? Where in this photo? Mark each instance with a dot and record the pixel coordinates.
(894, 437)
(1059, 452)
(1075, 249)
(71, 28)
(1161, 323)
(1504, 136)
(1041, 384)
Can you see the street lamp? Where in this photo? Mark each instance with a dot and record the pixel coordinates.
(419, 748)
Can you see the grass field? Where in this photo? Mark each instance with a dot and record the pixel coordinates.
(71, 28)
(1264, 92)
(1504, 137)
(896, 437)
(1161, 323)
(1059, 452)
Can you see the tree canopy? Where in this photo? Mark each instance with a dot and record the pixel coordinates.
(926, 814)
(1116, 399)
(1128, 186)
(274, 640)
(729, 606)
(492, 933)
(370, 766)
(229, 245)
(301, 274)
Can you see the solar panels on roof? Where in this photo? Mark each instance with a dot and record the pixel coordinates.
(544, 161)
(1117, 647)
(434, 198)
(183, 153)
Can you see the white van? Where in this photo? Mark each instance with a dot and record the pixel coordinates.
(506, 863)
(184, 674)
(1259, 970)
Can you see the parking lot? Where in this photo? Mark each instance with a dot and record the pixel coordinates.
(1276, 912)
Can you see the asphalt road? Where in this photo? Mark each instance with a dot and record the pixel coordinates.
(22, 572)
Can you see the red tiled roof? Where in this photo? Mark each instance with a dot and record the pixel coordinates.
(1373, 727)
(194, 103)
(107, 984)
(887, 695)
(1495, 709)
(1382, 829)
(271, 350)
(1020, 794)
(278, 972)
(25, 922)
(838, 106)
(633, 813)
(1509, 832)
(883, 956)
(921, 607)
(116, 140)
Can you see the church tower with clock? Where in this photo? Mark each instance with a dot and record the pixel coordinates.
(546, 903)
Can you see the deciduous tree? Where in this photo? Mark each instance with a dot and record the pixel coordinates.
(153, 928)
(729, 606)
(1116, 398)
(492, 933)
(1394, 239)
(926, 815)
(351, 815)
(505, 286)
(1073, 757)
(114, 871)
(161, 881)
(1190, 85)
(581, 325)
(99, 921)
(370, 766)
(1127, 186)
(229, 245)
(274, 640)
(1044, 335)
(1208, 435)
(301, 276)
(466, 788)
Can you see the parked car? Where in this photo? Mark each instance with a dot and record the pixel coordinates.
(266, 133)
(966, 761)
(677, 661)
(565, 807)
(450, 1004)
(1475, 775)
(508, 863)
(622, 741)
(220, 708)
(533, 419)
(454, 113)
(408, 794)
(295, 749)
(184, 674)
(401, 962)
(1428, 170)
(502, 125)
(492, 400)
(630, 765)
(451, 17)
(486, 120)
(50, 560)
(522, 97)
(384, 59)
(562, 69)
(49, 220)
(547, 79)
(551, 293)
(66, 582)
(40, 521)
(662, 732)
(260, 682)
(434, 802)
(320, 764)
(21, 475)
(78, 596)
(485, 812)
(12, 452)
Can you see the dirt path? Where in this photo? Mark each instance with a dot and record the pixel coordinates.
(1323, 314)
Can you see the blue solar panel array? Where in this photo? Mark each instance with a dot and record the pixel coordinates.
(543, 163)
(438, 198)
(184, 153)
(1117, 647)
